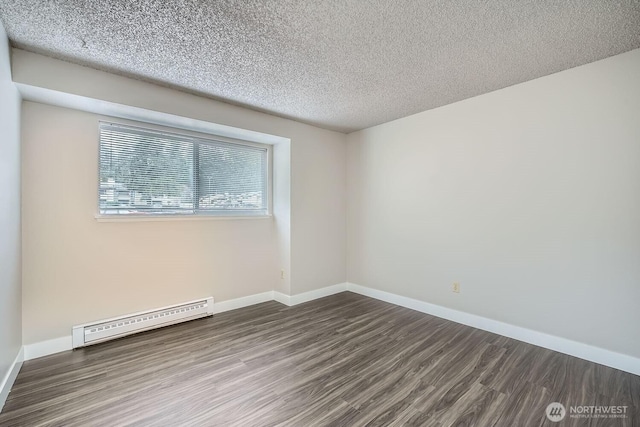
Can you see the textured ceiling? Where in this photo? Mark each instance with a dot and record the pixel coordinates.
(342, 65)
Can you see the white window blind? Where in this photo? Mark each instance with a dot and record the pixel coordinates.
(147, 172)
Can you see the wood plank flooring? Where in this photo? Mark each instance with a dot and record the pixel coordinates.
(344, 360)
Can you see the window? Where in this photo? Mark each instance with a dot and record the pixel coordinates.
(149, 172)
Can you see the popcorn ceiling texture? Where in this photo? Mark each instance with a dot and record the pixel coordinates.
(343, 65)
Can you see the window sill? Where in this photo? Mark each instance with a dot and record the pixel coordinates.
(154, 218)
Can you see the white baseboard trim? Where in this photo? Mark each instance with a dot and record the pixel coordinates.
(309, 296)
(45, 348)
(10, 377)
(563, 345)
(282, 298)
(233, 304)
(57, 345)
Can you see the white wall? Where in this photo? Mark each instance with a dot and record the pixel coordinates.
(10, 269)
(66, 250)
(528, 196)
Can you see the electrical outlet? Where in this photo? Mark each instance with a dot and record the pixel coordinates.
(456, 287)
(282, 274)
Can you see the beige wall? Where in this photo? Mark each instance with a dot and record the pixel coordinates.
(528, 196)
(77, 270)
(318, 213)
(10, 253)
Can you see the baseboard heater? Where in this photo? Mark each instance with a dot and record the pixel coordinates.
(104, 330)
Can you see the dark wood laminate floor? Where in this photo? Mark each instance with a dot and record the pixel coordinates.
(344, 360)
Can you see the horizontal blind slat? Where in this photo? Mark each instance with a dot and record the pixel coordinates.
(147, 172)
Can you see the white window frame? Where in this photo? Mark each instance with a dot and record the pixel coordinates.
(195, 136)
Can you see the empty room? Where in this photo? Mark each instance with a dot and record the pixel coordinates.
(319, 213)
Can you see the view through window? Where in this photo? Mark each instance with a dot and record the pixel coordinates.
(147, 172)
